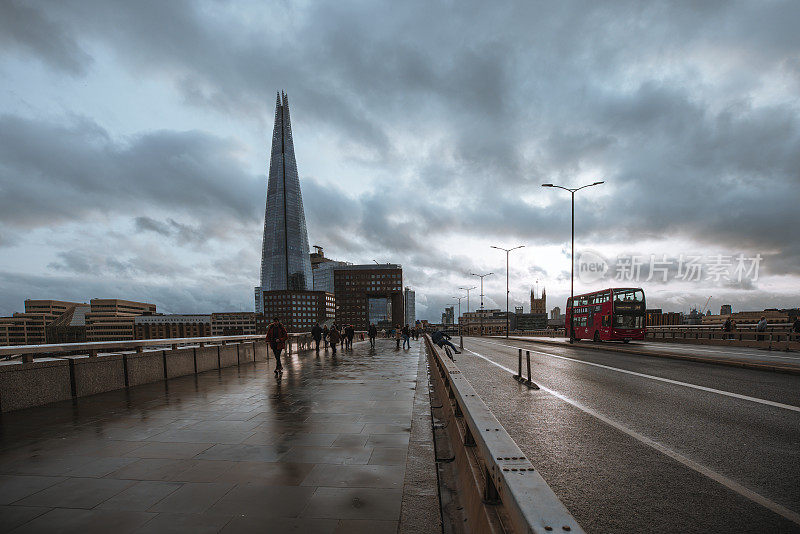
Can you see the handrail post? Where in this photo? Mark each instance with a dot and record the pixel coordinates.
(519, 366)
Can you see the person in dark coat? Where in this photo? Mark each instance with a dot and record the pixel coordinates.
(333, 335)
(373, 333)
(350, 333)
(276, 337)
(316, 333)
(406, 336)
(325, 333)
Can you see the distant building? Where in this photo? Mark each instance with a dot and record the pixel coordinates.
(233, 324)
(322, 270)
(725, 309)
(539, 305)
(656, 317)
(555, 313)
(113, 319)
(171, 326)
(411, 307)
(285, 261)
(23, 329)
(70, 326)
(490, 322)
(51, 309)
(299, 310)
(356, 287)
(531, 321)
(518, 310)
(448, 317)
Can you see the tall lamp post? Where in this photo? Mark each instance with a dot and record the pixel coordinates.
(482, 276)
(572, 270)
(467, 289)
(459, 320)
(506, 250)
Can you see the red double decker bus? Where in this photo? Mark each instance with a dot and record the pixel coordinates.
(614, 314)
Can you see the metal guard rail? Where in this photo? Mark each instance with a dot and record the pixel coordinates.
(528, 503)
(94, 347)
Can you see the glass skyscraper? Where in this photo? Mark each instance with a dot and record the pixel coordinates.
(285, 263)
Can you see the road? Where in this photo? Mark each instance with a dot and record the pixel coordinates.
(709, 352)
(633, 443)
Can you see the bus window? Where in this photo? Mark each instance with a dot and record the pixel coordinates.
(628, 321)
(629, 295)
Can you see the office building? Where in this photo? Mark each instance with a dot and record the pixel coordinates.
(51, 309)
(285, 262)
(555, 313)
(171, 326)
(70, 326)
(531, 321)
(233, 324)
(725, 309)
(448, 317)
(411, 307)
(518, 310)
(355, 286)
(113, 319)
(23, 329)
(300, 310)
(322, 270)
(488, 322)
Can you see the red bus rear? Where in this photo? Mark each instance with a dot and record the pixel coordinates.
(614, 314)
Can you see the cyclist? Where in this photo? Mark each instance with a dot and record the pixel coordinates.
(442, 339)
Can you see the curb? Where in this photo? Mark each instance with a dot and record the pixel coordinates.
(760, 366)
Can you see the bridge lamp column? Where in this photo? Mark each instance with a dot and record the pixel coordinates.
(482, 276)
(507, 251)
(572, 269)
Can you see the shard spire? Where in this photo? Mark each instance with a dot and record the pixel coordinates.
(285, 263)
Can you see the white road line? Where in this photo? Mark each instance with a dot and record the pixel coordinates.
(660, 379)
(691, 464)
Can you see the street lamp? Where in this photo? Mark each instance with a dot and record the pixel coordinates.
(482, 276)
(467, 289)
(506, 250)
(572, 270)
(459, 319)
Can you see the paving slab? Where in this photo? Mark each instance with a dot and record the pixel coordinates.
(323, 449)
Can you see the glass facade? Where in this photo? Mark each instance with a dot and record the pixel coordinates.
(285, 264)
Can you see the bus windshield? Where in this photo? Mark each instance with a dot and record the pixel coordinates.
(629, 295)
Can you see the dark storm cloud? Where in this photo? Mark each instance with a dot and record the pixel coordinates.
(30, 31)
(76, 169)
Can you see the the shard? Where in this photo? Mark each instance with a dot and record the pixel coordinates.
(285, 263)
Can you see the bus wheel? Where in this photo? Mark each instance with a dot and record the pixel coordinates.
(596, 336)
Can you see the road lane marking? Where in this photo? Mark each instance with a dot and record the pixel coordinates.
(691, 464)
(660, 379)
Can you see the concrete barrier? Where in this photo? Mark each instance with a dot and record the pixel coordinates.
(260, 351)
(23, 385)
(206, 358)
(105, 372)
(246, 352)
(228, 355)
(178, 362)
(144, 367)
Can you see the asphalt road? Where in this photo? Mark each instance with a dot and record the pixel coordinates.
(633, 443)
(711, 352)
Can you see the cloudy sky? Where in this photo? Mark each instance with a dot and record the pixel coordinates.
(134, 142)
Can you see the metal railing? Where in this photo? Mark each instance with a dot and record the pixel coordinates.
(504, 492)
(93, 348)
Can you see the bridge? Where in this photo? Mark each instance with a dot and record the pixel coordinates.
(197, 435)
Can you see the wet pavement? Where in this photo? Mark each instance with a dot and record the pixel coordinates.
(711, 353)
(231, 450)
(646, 444)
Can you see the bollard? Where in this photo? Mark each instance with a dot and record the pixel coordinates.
(519, 367)
(461, 343)
(528, 359)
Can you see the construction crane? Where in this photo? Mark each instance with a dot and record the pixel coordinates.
(703, 311)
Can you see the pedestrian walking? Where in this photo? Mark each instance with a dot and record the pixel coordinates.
(325, 333)
(316, 333)
(276, 337)
(333, 335)
(373, 333)
(406, 333)
(727, 328)
(397, 334)
(350, 333)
